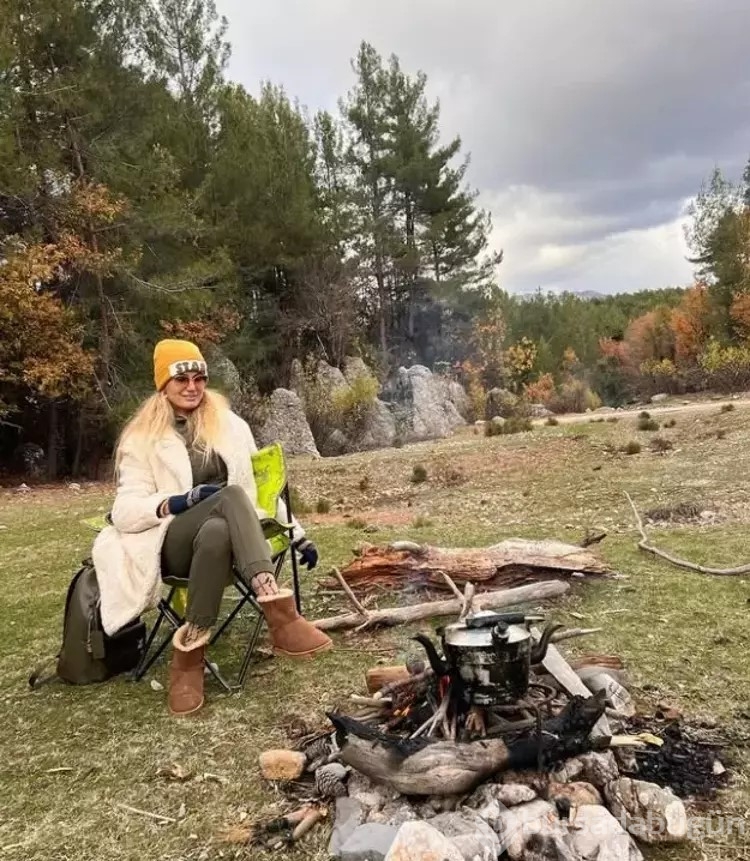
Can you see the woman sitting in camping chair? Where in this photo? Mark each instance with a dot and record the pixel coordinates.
(185, 507)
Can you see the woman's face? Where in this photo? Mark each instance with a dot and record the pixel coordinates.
(185, 392)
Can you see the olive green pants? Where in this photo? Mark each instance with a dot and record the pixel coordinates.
(205, 543)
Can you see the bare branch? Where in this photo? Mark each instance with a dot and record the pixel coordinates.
(647, 547)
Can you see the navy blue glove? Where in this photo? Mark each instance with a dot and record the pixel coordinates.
(308, 552)
(178, 504)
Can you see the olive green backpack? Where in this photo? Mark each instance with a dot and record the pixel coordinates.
(87, 654)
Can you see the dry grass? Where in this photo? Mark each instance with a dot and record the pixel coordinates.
(683, 636)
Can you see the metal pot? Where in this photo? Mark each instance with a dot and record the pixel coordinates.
(491, 655)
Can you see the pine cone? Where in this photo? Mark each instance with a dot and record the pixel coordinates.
(329, 780)
(318, 751)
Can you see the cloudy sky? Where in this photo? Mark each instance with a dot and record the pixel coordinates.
(590, 123)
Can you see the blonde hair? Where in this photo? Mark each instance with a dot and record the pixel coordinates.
(154, 420)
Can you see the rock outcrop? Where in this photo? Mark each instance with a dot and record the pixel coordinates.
(287, 424)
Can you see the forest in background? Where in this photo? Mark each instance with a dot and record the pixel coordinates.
(144, 195)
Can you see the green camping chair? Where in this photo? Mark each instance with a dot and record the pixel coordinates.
(269, 469)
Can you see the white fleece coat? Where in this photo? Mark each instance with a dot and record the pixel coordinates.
(127, 555)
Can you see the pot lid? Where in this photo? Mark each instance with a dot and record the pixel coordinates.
(459, 635)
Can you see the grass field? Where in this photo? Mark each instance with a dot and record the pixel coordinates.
(71, 757)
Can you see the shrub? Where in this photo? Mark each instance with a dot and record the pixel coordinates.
(323, 506)
(515, 424)
(422, 522)
(721, 433)
(299, 505)
(632, 447)
(727, 368)
(671, 423)
(364, 483)
(501, 402)
(613, 420)
(727, 408)
(418, 474)
(356, 523)
(596, 421)
(574, 396)
(542, 391)
(661, 444)
(552, 422)
(351, 405)
(648, 425)
(477, 395)
(644, 415)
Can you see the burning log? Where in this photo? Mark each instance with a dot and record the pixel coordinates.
(421, 766)
(507, 564)
(430, 609)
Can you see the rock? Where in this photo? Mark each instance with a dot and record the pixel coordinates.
(379, 428)
(657, 399)
(74, 486)
(539, 411)
(517, 824)
(588, 671)
(599, 768)
(421, 405)
(550, 843)
(419, 841)
(328, 379)
(348, 816)
(23, 488)
(497, 421)
(605, 410)
(569, 770)
(355, 367)
(578, 793)
(335, 443)
(471, 835)
(491, 799)
(394, 813)
(667, 711)
(458, 397)
(286, 423)
(596, 834)
(224, 374)
(370, 796)
(369, 842)
(501, 402)
(618, 697)
(282, 764)
(297, 379)
(651, 813)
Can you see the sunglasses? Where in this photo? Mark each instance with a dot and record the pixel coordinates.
(184, 379)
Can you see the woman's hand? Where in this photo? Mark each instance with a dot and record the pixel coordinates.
(308, 552)
(180, 503)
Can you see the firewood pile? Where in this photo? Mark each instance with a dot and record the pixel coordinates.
(567, 771)
(487, 743)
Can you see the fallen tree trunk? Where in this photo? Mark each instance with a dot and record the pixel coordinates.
(429, 609)
(507, 564)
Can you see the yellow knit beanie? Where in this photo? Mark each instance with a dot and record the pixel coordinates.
(172, 358)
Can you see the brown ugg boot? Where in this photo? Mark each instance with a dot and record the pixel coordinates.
(291, 635)
(186, 671)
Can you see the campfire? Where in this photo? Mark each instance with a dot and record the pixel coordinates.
(489, 744)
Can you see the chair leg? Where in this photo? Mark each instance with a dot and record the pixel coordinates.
(251, 646)
(295, 581)
(145, 663)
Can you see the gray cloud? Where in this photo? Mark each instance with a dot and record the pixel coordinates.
(589, 122)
